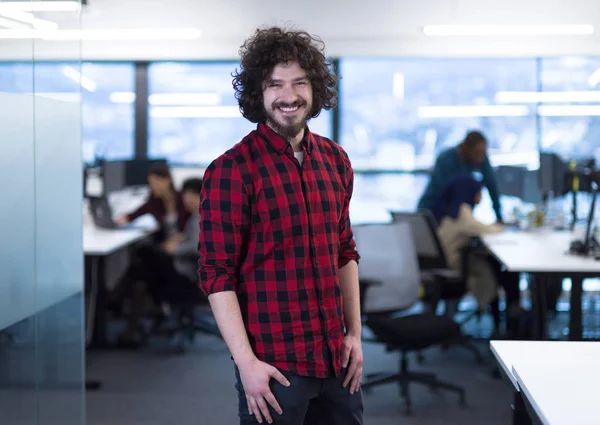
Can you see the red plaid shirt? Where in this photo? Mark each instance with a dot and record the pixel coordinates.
(276, 232)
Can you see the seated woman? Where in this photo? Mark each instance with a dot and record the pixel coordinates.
(168, 270)
(457, 225)
(164, 203)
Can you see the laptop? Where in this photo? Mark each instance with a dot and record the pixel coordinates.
(101, 212)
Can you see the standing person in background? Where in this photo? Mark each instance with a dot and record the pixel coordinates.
(277, 257)
(469, 156)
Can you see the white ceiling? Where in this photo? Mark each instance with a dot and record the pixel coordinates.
(349, 27)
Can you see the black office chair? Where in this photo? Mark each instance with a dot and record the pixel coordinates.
(383, 298)
(190, 315)
(434, 266)
(408, 334)
(440, 282)
(432, 259)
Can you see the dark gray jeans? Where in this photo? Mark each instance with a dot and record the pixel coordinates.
(308, 401)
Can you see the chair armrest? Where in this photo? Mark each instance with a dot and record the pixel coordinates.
(369, 282)
(363, 285)
(437, 288)
(441, 274)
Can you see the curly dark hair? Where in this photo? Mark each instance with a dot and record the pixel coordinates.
(269, 47)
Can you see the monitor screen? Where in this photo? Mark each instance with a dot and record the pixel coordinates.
(136, 173)
(511, 180)
(553, 174)
(113, 176)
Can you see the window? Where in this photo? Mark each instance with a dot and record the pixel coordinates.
(108, 110)
(16, 77)
(193, 114)
(107, 97)
(375, 195)
(569, 108)
(398, 114)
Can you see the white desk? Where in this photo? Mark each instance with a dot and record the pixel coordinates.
(557, 379)
(506, 353)
(99, 242)
(539, 252)
(542, 353)
(544, 254)
(565, 395)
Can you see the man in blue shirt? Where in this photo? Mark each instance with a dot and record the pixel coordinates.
(467, 157)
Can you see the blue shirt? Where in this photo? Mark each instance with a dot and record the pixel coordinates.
(450, 164)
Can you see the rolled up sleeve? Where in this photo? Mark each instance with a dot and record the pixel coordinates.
(348, 250)
(224, 222)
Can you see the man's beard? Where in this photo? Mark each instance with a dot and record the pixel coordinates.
(283, 127)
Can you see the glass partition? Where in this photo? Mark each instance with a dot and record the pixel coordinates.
(41, 259)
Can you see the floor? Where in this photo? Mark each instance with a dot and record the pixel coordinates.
(160, 386)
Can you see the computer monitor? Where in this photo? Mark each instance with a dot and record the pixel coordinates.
(531, 190)
(113, 176)
(511, 180)
(136, 171)
(553, 174)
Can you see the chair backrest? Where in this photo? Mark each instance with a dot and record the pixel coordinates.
(424, 231)
(388, 257)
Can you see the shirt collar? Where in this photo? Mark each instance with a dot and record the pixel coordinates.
(279, 143)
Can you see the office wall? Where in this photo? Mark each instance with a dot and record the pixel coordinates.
(41, 258)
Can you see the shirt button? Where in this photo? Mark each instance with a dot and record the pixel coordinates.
(322, 302)
(313, 233)
(317, 263)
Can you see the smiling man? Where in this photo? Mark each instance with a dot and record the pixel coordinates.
(277, 257)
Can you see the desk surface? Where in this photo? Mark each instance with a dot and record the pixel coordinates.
(539, 251)
(564, 394)
(100, 242)
(544, 354)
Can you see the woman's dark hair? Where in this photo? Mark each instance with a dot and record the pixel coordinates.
(272, 46)
(161, 170)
